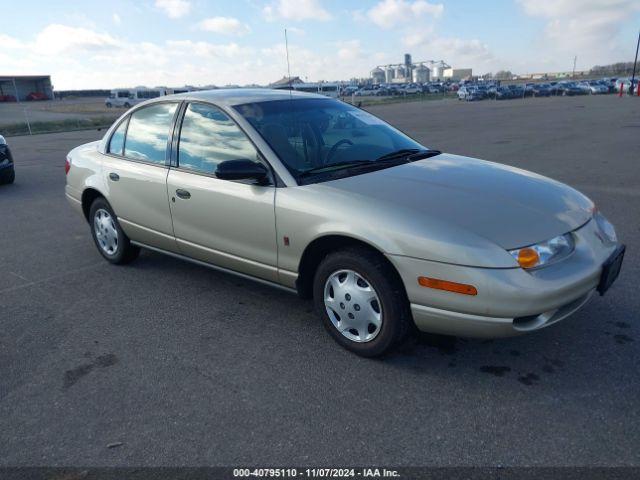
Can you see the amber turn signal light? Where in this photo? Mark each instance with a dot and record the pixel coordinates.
(528, 257)
(461, 288)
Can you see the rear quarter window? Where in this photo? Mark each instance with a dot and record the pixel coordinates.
(116, 144)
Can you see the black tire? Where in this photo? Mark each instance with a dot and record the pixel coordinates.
(8, 178)
(127, 105)
(125, 252)
(380, 274)
(109, 105)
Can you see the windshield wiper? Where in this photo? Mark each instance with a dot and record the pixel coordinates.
(394, 158)
(410, 154)
(403, 152)
(423, 155)
(337, 166)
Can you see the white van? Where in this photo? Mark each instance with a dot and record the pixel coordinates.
(323, 88)
(127, 97)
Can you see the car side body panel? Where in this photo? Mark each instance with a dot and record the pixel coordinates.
(85, 173)
(139, 199)
(231, 224)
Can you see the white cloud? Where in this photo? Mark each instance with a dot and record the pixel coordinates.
(174, 8)
(208, 50)
(10, 43)
(417, 21)
(389, 13)
(426, 44)
(587, 28)
(116, 19)
(296, 31)
(224, 25)
(296, 10)
(56, 39)
(349, 50)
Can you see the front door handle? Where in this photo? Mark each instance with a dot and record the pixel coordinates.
(114, 176)
(183, 193)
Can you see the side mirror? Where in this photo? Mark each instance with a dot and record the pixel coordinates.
(241, 169)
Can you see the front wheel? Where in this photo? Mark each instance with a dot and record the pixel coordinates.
(362, 301)
(8, 176)
(113, 244)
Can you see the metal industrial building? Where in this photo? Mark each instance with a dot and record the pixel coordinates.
(421, 72)
(21, 86)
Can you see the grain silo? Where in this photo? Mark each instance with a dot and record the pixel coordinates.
(389, 74)
(421, 74)
(377, 75)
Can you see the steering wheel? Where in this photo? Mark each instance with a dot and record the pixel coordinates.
(334, 149)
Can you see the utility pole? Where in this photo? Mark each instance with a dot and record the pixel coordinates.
(633, 76)
(573, 74)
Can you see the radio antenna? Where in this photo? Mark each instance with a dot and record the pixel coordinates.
(286, 47)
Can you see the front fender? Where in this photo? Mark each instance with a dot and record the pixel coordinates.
(306, 213)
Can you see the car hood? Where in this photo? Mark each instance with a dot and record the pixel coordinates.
(507, 206)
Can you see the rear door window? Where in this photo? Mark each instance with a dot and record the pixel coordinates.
(148, 133)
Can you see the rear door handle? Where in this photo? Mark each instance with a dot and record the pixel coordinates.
(183, 193)
(114, 176)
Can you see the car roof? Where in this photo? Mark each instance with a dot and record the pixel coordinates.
(238, 96)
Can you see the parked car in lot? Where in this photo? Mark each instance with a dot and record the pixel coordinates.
(412, 88)
(316, 196)
(348, 90)
(569, 89)
(7, 170)
(584, 86)
(595, 87)
(365, 92)
(529, 90)
(542, 90)
(431, 89)
(515, 91)
(36, 97)
(469, 94)
(503, 93)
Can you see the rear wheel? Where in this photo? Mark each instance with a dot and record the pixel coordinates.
(108, 236)
(109, 105)
(362, 301)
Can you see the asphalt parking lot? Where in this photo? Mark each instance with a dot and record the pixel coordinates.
(169, 363)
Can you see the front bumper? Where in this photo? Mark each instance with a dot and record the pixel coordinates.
(510, 301)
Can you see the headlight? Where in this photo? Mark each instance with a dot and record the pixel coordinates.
(605, 227)
(544, 253)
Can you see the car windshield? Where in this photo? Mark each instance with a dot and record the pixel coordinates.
(319, 139)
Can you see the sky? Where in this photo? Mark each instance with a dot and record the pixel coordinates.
(115, 43)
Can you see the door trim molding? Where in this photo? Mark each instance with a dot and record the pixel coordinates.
(216, 267)
(146, 229)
